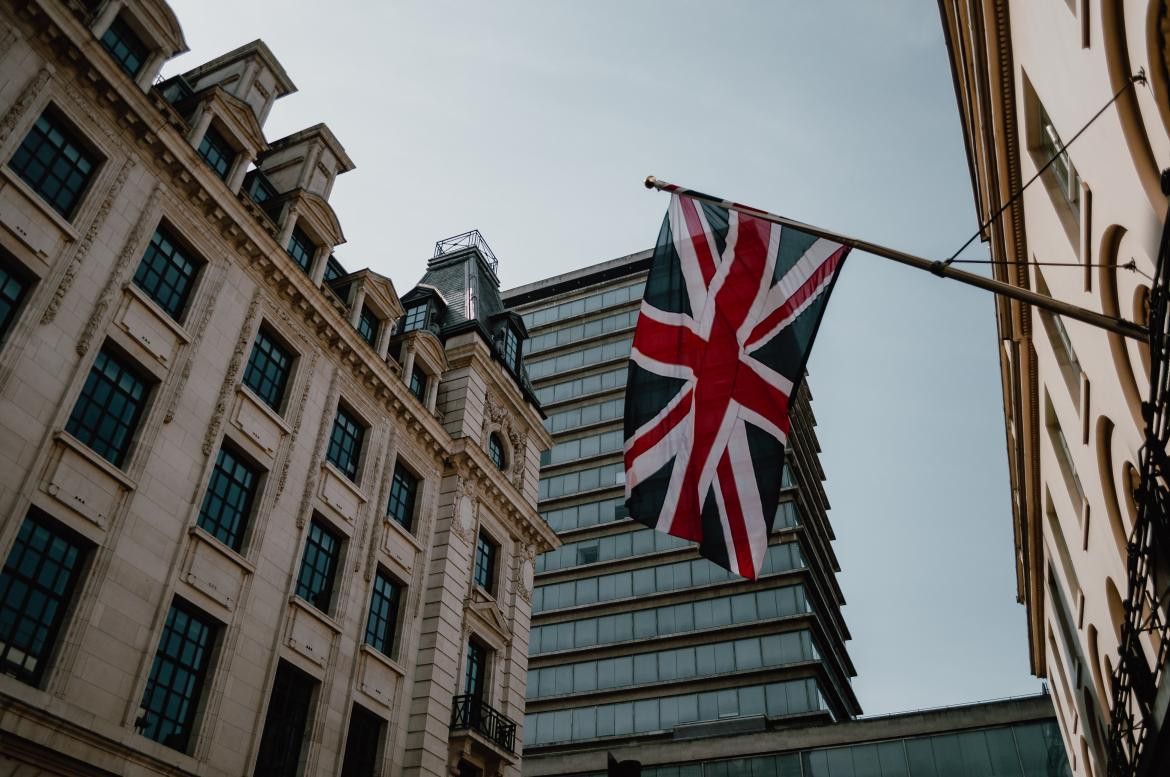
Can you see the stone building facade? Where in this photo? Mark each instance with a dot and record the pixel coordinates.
(1029, 74)
(260, 514)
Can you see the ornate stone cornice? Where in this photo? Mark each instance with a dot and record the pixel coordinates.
(160, 136)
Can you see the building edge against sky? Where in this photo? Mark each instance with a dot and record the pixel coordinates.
(1028, 76)
(261, 514)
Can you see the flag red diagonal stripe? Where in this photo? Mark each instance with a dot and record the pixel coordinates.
(664, 427)
(806, 290)
(733, 511)
(668, 343)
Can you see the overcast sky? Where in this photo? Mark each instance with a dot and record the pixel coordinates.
(535, 122)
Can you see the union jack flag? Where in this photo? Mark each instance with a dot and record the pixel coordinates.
(731, 307)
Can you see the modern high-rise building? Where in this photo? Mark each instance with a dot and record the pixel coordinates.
(259, 515)
(634, 636)
(1091, 564)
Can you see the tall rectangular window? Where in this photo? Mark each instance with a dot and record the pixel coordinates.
(511, 350)
(383, 618)
(216, 152)
(1051, 147)
(268, 369)
(367, 325)
(475, 676)
(13, 288)
(403, 490)
(109, 408)
(319, 566)
(177, 676)
(418, 384)
(36, 586)
(345, 443)
(54, 164)
(485, 562)
(227, 505)
(125, 47)
(289, 708)
(301, 249)
(166, 273)
(361, 744)
(416, 318)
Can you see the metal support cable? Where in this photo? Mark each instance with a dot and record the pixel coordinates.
(1134, 79)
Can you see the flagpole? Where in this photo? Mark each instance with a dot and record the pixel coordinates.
(939, 268)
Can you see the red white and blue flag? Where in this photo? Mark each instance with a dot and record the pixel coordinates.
(731, 307)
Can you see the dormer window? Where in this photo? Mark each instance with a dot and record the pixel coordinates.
(367, 326)
(301, 249)
(217, 152)
(511, 350)
(258, 187)
(418, 384)
(125, 47)
(333, 269)
(416, 318)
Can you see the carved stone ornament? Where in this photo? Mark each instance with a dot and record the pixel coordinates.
(463, 520)
(497, 418)
(525, 575)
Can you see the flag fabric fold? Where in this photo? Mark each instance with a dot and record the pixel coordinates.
(731, 308)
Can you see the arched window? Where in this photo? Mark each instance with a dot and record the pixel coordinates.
(496, 450)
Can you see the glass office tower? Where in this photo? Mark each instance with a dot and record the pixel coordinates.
(634, 635)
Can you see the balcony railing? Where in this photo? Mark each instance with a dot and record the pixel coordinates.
(472, 713)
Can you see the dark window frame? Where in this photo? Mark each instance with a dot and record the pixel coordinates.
(301, 249)
(321, 558)
(511, 349)
(413, 321)
(403, 500)
(15, 284)
(54, 128)
(496, 451)
(475, 670)
(171, 291)
(369, 325)
(233, 530)
(419, 380)
(384, 612)
(217, 152)
(487, 551)
(346, 440)
(77, 552)
(205, 654)
(126, 47)
(363, 743)
(257, 376)
(290, 708)
(81, 423)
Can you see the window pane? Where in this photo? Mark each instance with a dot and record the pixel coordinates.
(268, 369)
(52, 162)
(166, 274)
(403, 489)
(107, 412)
(285, 722)
(125, 47)
(318, 566)
(227, 504)
(36, 586)
(345, 443)
(176, 677)
(216, 152)
(383, 616)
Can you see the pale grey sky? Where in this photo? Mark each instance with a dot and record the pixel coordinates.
(536, 122)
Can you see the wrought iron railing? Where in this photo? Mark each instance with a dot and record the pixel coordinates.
(1145, 632)
(473, 713)
(472, 239)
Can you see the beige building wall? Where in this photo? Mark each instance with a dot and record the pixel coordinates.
(73, 300)
(1029, 74)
